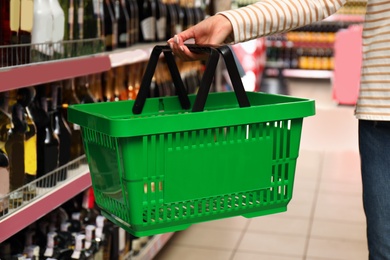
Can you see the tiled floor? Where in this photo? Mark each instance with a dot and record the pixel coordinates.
(325, 219)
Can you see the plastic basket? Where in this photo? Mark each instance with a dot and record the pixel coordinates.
(167, 167)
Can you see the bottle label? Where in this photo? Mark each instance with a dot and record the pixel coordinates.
(30, 155)
(96, 8)
(27, 15)
(115, 35)
(80, 16)
(161, 28)
(123, 37)
(148, 28)
(4, 183)
(14, 14)
(117, 8)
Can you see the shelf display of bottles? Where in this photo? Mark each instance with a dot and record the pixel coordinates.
(308, 48)
(46, 30)
(75, 230)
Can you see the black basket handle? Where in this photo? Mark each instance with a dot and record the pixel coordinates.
(200, 101)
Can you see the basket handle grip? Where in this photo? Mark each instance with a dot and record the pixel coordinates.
(214, 53)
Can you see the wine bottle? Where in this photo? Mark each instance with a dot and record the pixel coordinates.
(123, 18)
(82, 90)
(188, 15)
(79, 20)
(128, 4)
(47, 141)
(161, 20)
(15, 27)
(58, 30)
(25, 97)
(91, 245)
(91, 16)
(65, 4)
(147, 19)
(15, 149)
(180, 16)
(4, 183)
(79, 249)
(110, 26)
(42, 30)
(5, 126)
(61, 129)
(172, 19)
(69, 97)
(120, 90)
(25, 29)
(95, 87)
(108, 85)
(93, 26)
(136, 20)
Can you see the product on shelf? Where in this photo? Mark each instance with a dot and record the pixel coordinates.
(161, 20)
(25, 97)
(110, 26)
(42, 31)
(147, 20)
(123, 17)
(172, 18)
(14, 148)
(5, 125)
(69, 97)
(61, 128)
(58, 30)
(47, 140)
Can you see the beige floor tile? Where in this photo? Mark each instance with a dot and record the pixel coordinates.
(342, 166)
(285, 245)
(199, 236)
(252, 256)
(338, 230)
(175, 252)
(298, 209)
(280, 224)
(339, 207)
(330, 129)
(336, 249)
(233, 223)
(335, 187)
(308, 165)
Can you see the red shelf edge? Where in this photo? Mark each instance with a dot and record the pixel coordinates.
(35, 74)
(32, 212)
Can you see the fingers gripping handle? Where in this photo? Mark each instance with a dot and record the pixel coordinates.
(206, 81)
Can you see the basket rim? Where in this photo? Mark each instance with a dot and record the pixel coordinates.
(112, 120)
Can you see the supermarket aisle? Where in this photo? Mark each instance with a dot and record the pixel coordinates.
(325, 219)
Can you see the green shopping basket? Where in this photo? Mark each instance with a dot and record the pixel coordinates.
(157, 165)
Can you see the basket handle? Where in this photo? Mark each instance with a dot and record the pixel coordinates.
(214, 53)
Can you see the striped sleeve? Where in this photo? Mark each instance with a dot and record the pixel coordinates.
(276, 16)
(374, 98)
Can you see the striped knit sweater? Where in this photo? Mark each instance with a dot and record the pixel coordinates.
(275, 16)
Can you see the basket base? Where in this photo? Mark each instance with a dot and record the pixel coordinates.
(144, 233)
(175, 228)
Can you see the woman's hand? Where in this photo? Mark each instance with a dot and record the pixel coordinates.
(214, 30)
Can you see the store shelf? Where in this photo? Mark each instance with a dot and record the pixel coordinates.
(300, 73)
(314, 74)
(151, 249)
(50, 71)
(47, 199)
